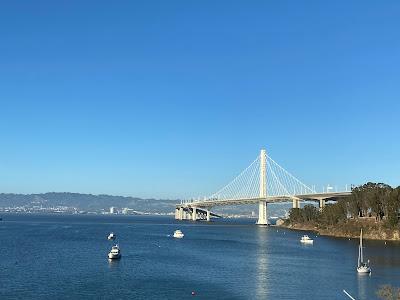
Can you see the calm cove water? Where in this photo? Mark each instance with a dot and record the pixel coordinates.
(65, 257)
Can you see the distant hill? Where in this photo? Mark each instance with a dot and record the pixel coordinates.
(87, 202)
(98, 203)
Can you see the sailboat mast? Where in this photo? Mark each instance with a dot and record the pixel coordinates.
(361, 248)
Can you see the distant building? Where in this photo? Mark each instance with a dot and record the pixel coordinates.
(113, 210)
(128, 211)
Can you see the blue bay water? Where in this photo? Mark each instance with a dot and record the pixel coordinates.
(65, 257)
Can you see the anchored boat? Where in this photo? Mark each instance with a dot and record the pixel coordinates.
(115, 252)
(305, 239)
(178, 234)
(362, 267)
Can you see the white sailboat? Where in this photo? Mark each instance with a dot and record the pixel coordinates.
(362, 267)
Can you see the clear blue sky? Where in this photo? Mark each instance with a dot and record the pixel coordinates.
(171, 99)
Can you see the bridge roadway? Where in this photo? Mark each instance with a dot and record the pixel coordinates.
(201, 209)
(274, 199)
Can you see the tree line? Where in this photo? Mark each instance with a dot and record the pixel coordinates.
(377, 200)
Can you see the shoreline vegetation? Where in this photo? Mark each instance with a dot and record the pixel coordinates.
(374, 207)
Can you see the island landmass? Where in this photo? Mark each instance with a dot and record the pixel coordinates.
(374, 207)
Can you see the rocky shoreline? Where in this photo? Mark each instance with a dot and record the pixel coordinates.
(352, 230)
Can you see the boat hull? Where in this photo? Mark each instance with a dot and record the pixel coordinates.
(114, 256)
(363, 270)
(307, 242)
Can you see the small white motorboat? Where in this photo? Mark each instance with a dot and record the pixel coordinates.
(111, 236)
(305, 239)
(115, 252)
(362, 267)
(178, 234)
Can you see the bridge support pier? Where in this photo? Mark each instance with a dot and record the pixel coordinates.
(321, 204)
(208, 216)
(262, 213)
(194, 214)
(296, 203)
(262, 205)
(181, 213)
(176, 214)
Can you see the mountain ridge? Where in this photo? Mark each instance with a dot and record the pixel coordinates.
(70, 202)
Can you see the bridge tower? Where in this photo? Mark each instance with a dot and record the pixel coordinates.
(262, 206)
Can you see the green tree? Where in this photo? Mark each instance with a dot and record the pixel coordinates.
(310, 213)
(370, 197)
(393, 207)
(377, 198)
(334, 213)
(295, 216)
(357, 203)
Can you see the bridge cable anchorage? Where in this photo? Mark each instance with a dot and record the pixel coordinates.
(246, 185)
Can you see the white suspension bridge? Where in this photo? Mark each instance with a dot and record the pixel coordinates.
(263, 181)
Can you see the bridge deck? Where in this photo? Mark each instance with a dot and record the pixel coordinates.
(271, 199)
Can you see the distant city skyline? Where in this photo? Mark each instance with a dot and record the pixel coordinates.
(173, 99)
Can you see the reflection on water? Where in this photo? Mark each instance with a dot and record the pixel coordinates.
(262, 263)
(362, 282)
(113, 264)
